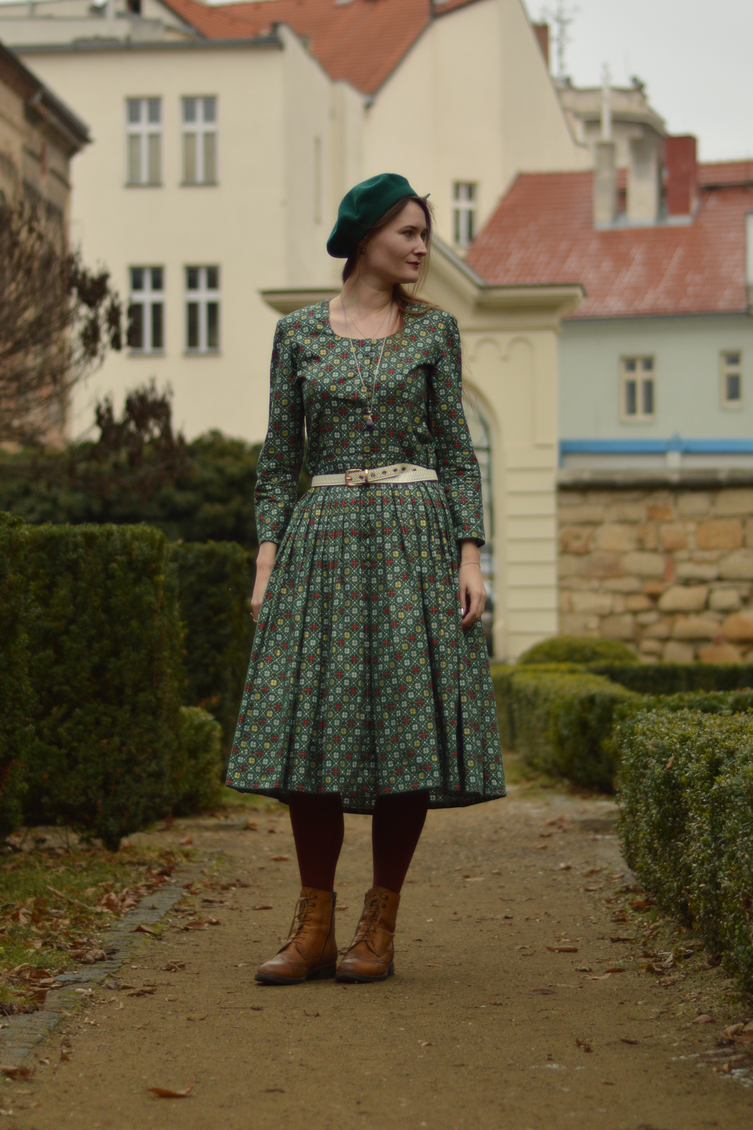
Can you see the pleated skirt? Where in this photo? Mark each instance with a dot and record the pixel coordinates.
(362, 681)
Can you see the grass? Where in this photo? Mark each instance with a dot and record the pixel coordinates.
(57, 898)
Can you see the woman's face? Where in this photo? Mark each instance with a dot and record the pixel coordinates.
(394, 254)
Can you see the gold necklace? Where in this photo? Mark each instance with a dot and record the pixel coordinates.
(369, 408)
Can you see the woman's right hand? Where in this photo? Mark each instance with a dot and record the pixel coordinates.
(265, 560)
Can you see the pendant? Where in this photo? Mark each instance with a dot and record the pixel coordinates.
(369, 422)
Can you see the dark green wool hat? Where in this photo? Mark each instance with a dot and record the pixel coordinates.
(362, 207)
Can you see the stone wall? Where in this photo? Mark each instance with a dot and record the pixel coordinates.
(668, 570)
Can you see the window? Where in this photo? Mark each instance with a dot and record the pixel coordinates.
(638, 388)
(144, 135)
(732, 379)
(464, 212)
(146, 310)
(202, 309)
(200, 140)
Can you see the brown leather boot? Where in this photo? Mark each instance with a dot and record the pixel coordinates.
(310, 953)
(371, 953)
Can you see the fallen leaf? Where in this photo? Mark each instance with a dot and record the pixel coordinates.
(263, 906)
(143, 992)
(536, 993)
(564, 867)
(592, 888)
(616, 969)
(584, 1044)
(65, 1055)
(185, 840)
(17, 1072)
(195, 926)
(142, 929)
(281, 858)
(197, 1017)
(425, 1044)
(312, 1014)
(704, 1018)
(622, 939)
(562, 949)
(164, 1093)
(174, 966)
(625, 1040)
(250, 826)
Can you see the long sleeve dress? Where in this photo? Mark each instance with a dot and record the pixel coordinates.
(362, 681)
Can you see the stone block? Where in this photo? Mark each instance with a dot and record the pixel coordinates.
(676, 652)
(720, 533)
(600, 565)
(576, 539)
(651, 647)
(570, 497)
(615, 538)
(695, 628)
(637, 602)
(654, 588)
(592, 603)
(720, 653)
(564, 601)
(644, 564)
(582, 514)
(622, 584)
(567, 566)
(697, 570)
(748, 535)
(672, 536)
(684, 598)
(572, 624)
(648, 537)
(660, 512)
(579, 583)
(646, 618)
(625, 512)
(659, 631)
(725, 600)
(738, 501)
(737, 566)
(693, 503)
(620, 627)
(738, 626)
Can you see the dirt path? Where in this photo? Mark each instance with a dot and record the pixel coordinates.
(482, 1027)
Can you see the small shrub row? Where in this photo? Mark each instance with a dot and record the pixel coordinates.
(675, 678)
(94, 655)
(686, 821)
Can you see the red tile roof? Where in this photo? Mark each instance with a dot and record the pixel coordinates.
(542, 232)
(358, 41)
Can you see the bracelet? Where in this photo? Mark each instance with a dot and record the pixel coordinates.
(464, 563)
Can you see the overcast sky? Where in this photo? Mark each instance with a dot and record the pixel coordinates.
(695, 56)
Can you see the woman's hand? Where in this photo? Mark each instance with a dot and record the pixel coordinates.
(471, 584)
(265, 560)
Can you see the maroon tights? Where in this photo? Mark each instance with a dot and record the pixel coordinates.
(318, 830)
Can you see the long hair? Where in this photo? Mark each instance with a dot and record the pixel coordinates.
(407, 301)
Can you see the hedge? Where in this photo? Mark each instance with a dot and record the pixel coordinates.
(15, 689)
(557, 718)
(105, 663)
(196, 767)
(578, 649)
(674, 678)
(214, 583)
(686, 822)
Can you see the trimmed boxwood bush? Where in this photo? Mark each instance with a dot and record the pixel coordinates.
(214, 583)
(578, 649)
(686, 822)
(674, 678)
(105, 662)
(197, 762)
(15, 690)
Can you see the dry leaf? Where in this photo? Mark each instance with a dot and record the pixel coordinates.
(174, 966)
(143, 992)
(426, 1044)
(250, 826)
(142, 929)
(625, 1040)
(562, 949)
(617, 969)
(65, 1055)
(536, 993)
(584, 1044)
(195, 926)
(17, 1072)
(281, 858)
(622, 939)
(197, 1017)
(704, 1018)
(263, 906)
(564, 867)
(164, 1093)
(185, 840)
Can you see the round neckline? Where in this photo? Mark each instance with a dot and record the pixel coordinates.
(341, 337)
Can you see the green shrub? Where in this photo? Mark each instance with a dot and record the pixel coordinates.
(15, 689)
(686, 821)
(502, 680)
(578, 649)
(214, 585)
(197, 762)
(674, 678)
(561, 721)
(105, 662)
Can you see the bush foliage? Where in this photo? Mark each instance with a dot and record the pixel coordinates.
(578, 649)
(675, 678)
(196, 766)
(686, 821)
(15, 689)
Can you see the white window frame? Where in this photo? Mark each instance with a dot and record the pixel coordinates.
(638, 370)
(204, 297)
(148, 297)
(200, 130)
(464, 201)
(144, 138)
(730, 365)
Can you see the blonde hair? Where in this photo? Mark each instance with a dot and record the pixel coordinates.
(407, 301)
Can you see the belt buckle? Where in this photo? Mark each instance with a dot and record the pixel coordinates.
(356, 471)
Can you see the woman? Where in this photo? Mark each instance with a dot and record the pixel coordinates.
(369, 687)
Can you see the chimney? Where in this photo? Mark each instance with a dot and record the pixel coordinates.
(542, 34)
(644, 179)
(680, 162)
(605, 183)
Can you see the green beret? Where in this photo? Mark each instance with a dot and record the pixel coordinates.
(363, 207)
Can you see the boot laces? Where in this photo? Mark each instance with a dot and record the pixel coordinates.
(300, 914)
(370, 919)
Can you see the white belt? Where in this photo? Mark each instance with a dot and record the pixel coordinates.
(396, 473)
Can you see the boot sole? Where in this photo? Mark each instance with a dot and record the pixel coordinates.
(358, 979)
(321, 974)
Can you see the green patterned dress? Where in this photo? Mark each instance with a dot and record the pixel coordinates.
(362, 681)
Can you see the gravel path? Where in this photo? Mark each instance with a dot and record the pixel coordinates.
(503, 1011)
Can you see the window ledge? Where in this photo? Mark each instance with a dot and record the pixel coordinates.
(144, 184)
(147, 352)
(202, 352)
(199, 184)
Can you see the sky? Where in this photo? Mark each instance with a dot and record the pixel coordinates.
(695, 57)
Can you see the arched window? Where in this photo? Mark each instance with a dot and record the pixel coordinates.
(482, 443)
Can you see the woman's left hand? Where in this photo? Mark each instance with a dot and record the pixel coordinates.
(472, 592)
